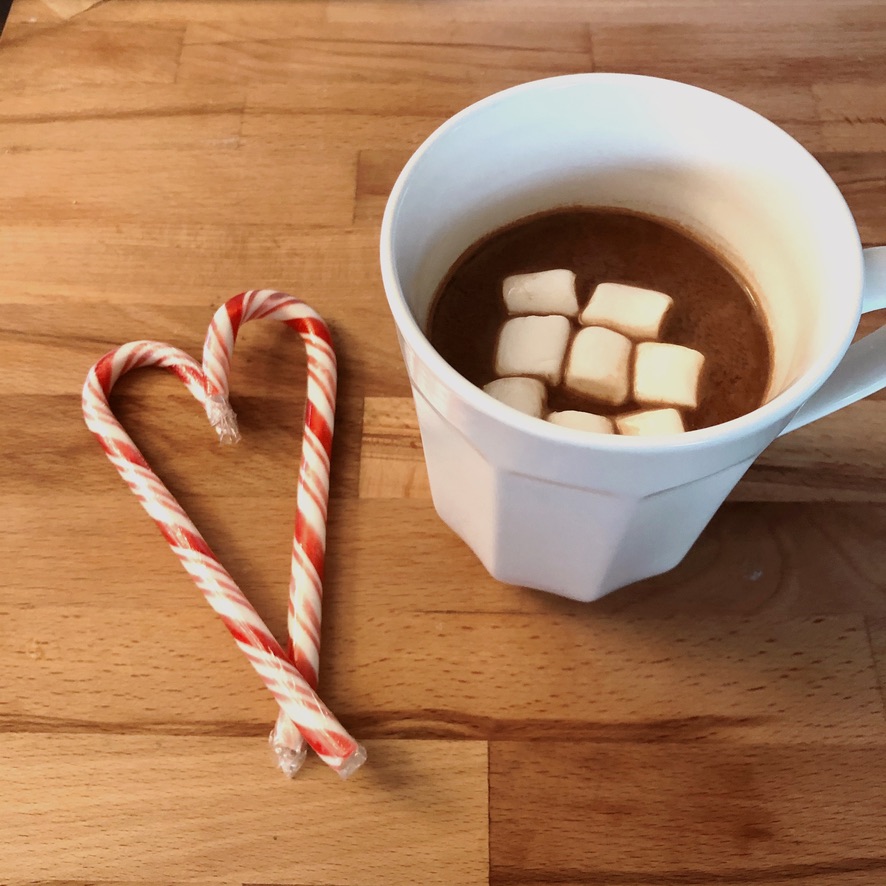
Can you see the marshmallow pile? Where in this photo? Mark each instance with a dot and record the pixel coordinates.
(607, 352)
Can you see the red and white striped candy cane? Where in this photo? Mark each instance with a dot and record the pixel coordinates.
(309, 537)
(296, 697)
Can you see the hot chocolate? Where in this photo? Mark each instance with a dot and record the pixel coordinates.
(693, 317)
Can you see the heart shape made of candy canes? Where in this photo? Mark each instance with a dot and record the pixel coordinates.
(290, 675)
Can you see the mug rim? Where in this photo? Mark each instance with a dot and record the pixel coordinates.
(778, 409)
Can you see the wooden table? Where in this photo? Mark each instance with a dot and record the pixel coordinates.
(722, 724)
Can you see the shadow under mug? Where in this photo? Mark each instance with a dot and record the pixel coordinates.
(581, 514)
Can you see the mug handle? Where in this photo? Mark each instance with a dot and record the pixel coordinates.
(863, 368)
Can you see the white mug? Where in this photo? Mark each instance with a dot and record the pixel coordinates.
(582, 514)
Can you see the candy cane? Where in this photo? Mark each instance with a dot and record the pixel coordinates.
(296, 696)
(309, 537)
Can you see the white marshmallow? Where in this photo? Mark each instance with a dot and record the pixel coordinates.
(533, 346)
(524, 394)
(650, 421)
(545, 292)
(667, 374)
(581, 421)
(598, 365)
(627, 309)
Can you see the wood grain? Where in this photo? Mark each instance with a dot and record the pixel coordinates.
(676, 813)
(719, 724)
(186, 186)
(117, 54)
(156, 116)
(844, 50)
(385, 59)
(106, 267)
(129, 795)
(391, 459)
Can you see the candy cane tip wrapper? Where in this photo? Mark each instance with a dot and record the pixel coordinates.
(289, 759)
(351, 764)
(222, 418)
